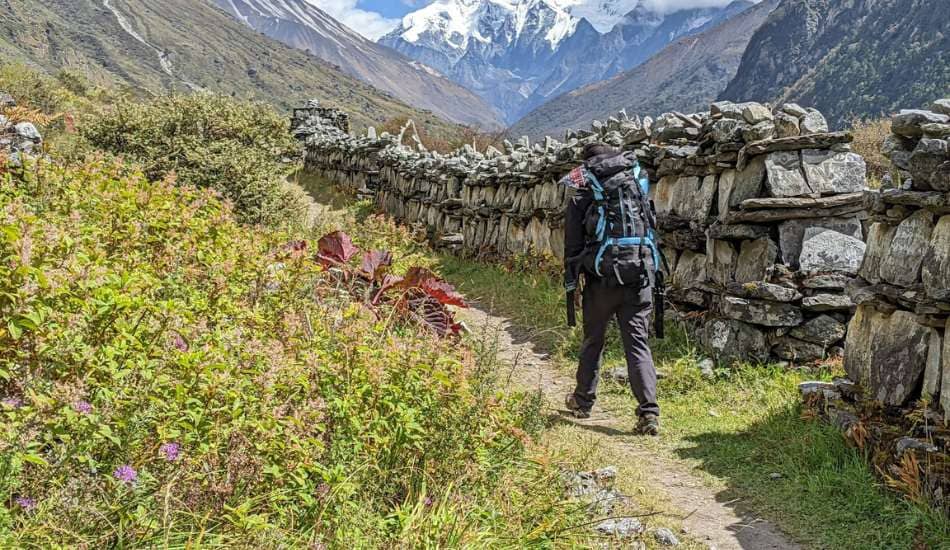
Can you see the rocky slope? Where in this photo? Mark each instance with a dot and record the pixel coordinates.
(685, 76)
(843, 57)
(517, 54)
(153, 46)
(302, 25)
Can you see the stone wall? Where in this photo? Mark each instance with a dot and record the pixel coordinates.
(760, 211)
(898, 347)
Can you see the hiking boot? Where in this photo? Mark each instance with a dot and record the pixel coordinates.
(572, 405)
(649, 424)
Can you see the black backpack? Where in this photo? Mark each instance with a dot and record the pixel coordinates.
(620, 225)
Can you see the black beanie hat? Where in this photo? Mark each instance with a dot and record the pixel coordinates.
(597, 148)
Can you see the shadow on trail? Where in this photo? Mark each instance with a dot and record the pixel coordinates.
(563, 417)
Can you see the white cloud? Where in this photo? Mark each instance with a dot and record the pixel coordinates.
(370, 24)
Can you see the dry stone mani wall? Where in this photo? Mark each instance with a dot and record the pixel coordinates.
(761, 211)
(898, 346)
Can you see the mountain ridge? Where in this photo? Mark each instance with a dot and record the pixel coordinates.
(302, 25)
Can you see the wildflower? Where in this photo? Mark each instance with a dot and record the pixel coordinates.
(12, 402)
(170, 451)
(126, 473)
(26, 504)
(82, 407)
(428, 502)
(179, 343)
(323, 490)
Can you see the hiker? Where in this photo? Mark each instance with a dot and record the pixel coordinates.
(610, 240)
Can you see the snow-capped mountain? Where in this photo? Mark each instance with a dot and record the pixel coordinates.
(301, 24)
(517, 54)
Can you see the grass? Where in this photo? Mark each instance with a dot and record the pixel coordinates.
(740, 428)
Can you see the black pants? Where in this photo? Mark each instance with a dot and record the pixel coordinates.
(632, 309)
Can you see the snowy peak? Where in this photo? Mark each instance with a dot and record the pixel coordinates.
(452, 25)
(602, 14)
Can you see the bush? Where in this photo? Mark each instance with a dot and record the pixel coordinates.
(238, 149)
(868, 138)
(171, 378)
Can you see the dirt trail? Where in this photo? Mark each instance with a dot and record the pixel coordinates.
(718, 524)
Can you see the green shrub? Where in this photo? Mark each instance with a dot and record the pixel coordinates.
(170, 378)
(238, 149)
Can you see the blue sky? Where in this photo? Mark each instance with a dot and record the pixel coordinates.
(371, 18)
(389, 8)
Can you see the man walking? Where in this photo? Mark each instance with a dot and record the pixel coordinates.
(610, 239)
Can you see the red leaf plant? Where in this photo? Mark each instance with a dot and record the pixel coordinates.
(335, 249)
(376, 264)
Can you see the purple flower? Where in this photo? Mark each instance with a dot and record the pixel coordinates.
(82, 407)
(26, 504)
(428, 501)
(126, 474)
(179, 343)
(12, 402)
(170, 451)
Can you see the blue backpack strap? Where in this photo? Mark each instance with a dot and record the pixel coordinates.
(641, 178)
(598, 191)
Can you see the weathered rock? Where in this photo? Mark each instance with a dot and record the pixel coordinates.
(764, 291)
(794, 109)
(690, 269)
(737, 232)
(813, 123)
(829, 172)
(821, 303)
(726, 130)
(941, 106)
(826, 250)
(786, 126)
(732, 340)
(908, 121)
(878, 247)
(6, 100)
(721, 258)
(785, 175)
(754, 113)
(793, 349)
(824, 330)
(803, 202)
(755, 260)
(792, 234)
(924, 161)
(762, 130)
(829, 281)
(760, 312)
(898, 150)
(945, 377)
(827, 390)
(707, 367)
(935, 269)
(665, 537)
(738, 186)
(620, 527)
(829, 140)
(902, 264)
(936, 131)
(886, 353)
(934, 366)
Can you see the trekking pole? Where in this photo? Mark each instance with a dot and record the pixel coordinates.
(659, 306)
(571, 309)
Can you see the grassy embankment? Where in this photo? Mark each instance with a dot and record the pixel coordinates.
(740, 428)
(173, 377)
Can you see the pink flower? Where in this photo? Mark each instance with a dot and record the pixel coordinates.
(26, 504)
(179, 343)
(12, 402)
(126, 473)
(82, 407)
(171, 451)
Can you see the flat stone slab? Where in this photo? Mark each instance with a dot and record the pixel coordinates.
(830, 172)
(887, 354)
(905, 256)
(792, 234)
(825, 250)
(732, 340)
(794, 143)
(821, 303)
(761, 312)
(824, 330)
(785, 175)
(764, 291)
(802, 202)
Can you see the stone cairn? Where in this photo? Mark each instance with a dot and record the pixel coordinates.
(898, 346)
(760, 212)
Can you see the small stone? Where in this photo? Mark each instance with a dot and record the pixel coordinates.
(794, 110)
(665, 537)
(905, 444)
(707, 367)
(775, 475)
(762, 130)
(761, 290)
(821, 303)
(824, 330)
(26, 130)
(754, 113)
(827, 390)
(786, 125)
(813, 123)
(799, 351)
(622, 527)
